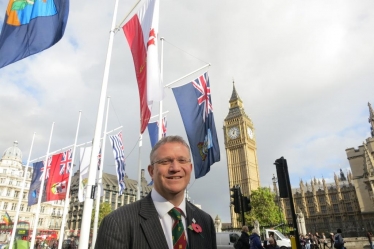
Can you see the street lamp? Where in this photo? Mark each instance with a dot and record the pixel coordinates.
(275, 181)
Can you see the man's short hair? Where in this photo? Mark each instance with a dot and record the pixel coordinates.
(255, 231)
(168, 139)
(245, 229)
(339, 230)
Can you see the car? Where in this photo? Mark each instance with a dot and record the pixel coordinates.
(226, 240)
(66, 244)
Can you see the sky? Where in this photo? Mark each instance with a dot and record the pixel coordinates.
(303, 70)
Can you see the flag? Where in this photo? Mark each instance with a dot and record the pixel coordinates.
(141, 33)
(6, 218)
(85, 159)
(153, 131)
(36, 180)
(59, 170)
(30, 27)
(195, 105)
(119, 158)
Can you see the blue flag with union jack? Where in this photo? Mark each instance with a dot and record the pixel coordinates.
(195, 105)
(153, 131)
(119, 158)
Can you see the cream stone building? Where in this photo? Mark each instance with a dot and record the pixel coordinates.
(327, 206)
(346, 203)
(241, 151)
(110, 195)
(11, 177)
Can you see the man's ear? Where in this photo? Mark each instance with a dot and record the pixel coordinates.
(150, 170)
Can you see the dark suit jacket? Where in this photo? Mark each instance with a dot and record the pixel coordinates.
(137, 226)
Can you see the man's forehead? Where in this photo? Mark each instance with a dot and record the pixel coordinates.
(168, 148)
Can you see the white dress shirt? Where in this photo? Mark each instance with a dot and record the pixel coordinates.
(163, 207)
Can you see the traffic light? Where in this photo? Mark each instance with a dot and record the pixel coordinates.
(281, 165)
(236, 199)
(246, 204)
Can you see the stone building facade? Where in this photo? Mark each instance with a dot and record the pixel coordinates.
(11, 177)
(110, 195)
(328, 206)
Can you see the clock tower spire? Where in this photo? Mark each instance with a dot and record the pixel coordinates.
(241, 150)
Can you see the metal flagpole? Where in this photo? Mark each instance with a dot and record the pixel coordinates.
(160, 123)
(36, 220)
(100, 179)
(21, 195)
(181, 78)
(139, 169)
(88, 203)
(67, 199)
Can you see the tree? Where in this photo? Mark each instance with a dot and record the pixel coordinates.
(104, 209)
(263, 208)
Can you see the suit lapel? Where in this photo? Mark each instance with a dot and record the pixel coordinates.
(151, 225)
(193, 238)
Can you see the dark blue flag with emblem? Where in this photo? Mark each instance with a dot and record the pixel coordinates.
(31, 26)
(195, 105)
(36, 180)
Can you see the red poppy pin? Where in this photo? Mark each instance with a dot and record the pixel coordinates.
(195, 227)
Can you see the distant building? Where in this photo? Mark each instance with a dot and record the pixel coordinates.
(241, 151)
(110, 195)
(327, 206)
(362, 167)
(11, 177)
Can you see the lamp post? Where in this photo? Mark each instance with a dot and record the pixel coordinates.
(275, 181)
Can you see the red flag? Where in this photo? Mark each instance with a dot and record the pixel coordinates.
(59, 170)
(141, 33)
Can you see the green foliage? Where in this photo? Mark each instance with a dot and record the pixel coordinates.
(104, 209)
(264, 208)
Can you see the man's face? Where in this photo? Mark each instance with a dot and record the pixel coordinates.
(171, 170)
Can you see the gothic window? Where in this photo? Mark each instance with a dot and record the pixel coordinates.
(22, 207)
(40, 222)
(18, 183)
(323, 209)
(336, 208)
(42, 209)
(28, 208)
(2, 180)
(16, 193)
(5, 205)
(8, 192)
(14, 205)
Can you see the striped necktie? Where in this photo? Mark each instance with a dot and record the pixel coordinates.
(179, 236)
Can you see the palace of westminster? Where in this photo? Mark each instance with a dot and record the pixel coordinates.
(347, 202)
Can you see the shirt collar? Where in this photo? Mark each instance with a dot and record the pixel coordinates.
(163, 206)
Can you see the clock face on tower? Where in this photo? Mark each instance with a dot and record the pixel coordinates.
(250, 133)
(234, 132)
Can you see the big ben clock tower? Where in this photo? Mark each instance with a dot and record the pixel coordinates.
(241, 151)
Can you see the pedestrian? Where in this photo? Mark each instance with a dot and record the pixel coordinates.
(369, 235)
(243, 241)
(324, 241)
(255, 240)
(338, 239)
(272, 244)
(164, 218)
(307, 242)
(331, 239)
(318, 241)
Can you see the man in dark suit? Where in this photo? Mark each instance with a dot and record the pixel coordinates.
(148, 223)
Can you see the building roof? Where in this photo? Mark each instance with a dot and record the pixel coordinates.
(13, 153)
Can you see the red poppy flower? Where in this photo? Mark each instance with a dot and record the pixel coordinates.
(196, 227)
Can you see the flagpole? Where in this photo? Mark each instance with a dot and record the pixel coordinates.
(41, 191)
(100, 179)
(67, 199)
(139, 168)
(88, 203)
(181, 78)
(160, 123)
(21, 195)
